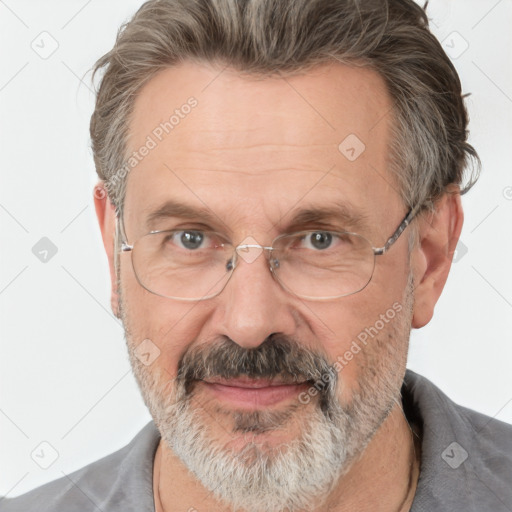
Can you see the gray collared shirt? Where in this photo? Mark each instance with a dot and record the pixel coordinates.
(466, 465)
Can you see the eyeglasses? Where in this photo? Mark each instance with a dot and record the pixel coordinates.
(192, 264)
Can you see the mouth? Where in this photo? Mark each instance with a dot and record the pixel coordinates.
(249, 394)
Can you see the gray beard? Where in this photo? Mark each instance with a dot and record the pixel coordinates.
(296, 476)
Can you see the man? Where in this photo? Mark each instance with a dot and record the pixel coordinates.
(283, 187)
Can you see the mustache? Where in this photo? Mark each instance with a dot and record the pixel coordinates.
(277, 357)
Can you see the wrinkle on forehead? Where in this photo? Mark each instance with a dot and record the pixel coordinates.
(317, 108)
(249, 142)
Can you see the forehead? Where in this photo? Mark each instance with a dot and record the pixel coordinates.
(259, 147)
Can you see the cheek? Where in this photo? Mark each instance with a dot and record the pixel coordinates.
(363, 334)
(171, 326)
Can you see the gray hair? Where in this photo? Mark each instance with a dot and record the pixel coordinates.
(429, 148)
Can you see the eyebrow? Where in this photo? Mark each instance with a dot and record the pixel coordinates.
(172, 209)
(341, 215)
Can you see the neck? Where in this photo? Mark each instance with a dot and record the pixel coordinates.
(383, 479)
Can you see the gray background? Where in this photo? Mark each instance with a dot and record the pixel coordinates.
(65, 379)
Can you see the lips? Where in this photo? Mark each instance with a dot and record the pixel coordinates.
(247, 382)
(250, 393)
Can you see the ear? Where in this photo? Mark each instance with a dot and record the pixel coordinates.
(105, 211)
(438, 233)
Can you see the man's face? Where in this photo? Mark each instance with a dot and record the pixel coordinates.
(254, 153)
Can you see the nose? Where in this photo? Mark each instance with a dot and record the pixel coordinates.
(253, 305)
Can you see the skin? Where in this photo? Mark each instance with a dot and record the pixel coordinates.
(273, 142)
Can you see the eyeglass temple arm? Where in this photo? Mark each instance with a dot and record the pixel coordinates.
(125, 247)
(399, 230)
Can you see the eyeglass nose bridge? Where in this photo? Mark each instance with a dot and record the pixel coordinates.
(251, 251)
(238, 252)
